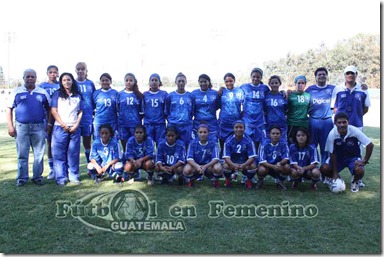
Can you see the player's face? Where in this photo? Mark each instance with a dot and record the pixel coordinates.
(105, 82)
(239, 129)
(67, 82)
(229, 82)
(52, 74)
(105, 135)
(321, 77)
(171, 137)
(274, 84)
(256, 78)
(139, 135)
(81, 72)
(181, 82)
(203, 134)
(275, 135)
(154, 84)
(300, 85)
(204, 84)
(342, 126)
(129, 83)
(350, 77)
(301, 137)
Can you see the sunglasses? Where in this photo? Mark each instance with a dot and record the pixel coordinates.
(349, 73)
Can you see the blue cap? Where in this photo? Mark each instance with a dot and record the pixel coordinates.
(156, 76)
(300, 77)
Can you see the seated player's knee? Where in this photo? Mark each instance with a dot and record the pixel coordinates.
(262, 171)
(326, 169)
(149, 165)
(315, 173)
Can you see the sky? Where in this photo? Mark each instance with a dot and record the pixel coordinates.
(171, 36)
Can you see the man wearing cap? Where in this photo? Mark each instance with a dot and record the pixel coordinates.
(351, 98)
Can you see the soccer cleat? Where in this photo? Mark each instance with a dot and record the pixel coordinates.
(234, 175)
(295, 184)
(51, 175)
(150, 182)
(313, 187)
(361, 184)
(20, 183)
(118, 179)
(248, 184)
(137, 176)
(254, 180)
(216, 183)
(354, 186)
(259, 183)
(244, 179)
(171, 179)
(61, 184)
(190, 183)
(180, 180)
(227, 182)
(280, 184)
(200, 177)
(327, 181)
(98, 180)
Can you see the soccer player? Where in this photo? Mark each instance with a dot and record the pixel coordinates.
(231, 100)
(140, 154)
(105, 155)
(239, 155)
(105, 102)
(343, 144)
(275, 107)
(170, 157)
(274, 160)
(298, 104)
(205, 107)
(130, 109)
(67, 109)
(179, 109)
(203, 158)
(86, 88)
(154, 109)
(304, 160)
(253, 107)
(50, 86)
(351, 98)
(320, 112)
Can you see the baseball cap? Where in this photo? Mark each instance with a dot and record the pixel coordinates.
(350, 68)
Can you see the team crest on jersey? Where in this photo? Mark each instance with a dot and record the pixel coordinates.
(329, 91)
(39, 98)
(358, 97)
(350, 143)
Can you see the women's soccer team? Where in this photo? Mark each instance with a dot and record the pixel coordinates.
(177, 136)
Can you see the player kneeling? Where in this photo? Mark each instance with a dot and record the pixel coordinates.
(203, 158)
(104, 155)
(274, 158)
(139, 154)
(170, 158)
(239, 155)
(304, 160)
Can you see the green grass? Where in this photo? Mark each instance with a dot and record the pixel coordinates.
(346, 223)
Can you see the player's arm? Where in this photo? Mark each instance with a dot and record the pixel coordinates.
(368, 153)
(365, 110)
(11, 127)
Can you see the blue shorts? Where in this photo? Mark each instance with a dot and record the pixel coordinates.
(348, 163)
(86, 130)
(257, 134)
(126, 132)
(155, 131)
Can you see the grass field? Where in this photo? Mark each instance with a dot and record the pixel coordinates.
(345, 223)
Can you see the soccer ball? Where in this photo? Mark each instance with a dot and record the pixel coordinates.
(337, 186)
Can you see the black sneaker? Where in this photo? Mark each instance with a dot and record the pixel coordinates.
(39, 182)
(280, 184)
(20, 183)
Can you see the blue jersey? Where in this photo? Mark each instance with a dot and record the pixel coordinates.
(253, 105)
(230, 105)
(203, 154)
(352, 102)
(102, 153)
(205, 107)
(273, 153)
(239, 151)
(303, 156)
(106, 106)
(275, 106)
(86, 89)
(320, 104)
(169, 155)
(179, 108)
(50, 88)
(348, 147)
(130, 109)
(30, 106)
(136, 150)
(154, 107)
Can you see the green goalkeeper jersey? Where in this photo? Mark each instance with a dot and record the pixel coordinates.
(298, 104)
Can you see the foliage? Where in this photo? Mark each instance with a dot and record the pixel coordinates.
(362, 51)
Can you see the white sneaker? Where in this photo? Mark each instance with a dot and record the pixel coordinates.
(244, 179)
(361, 184)
(51, 175)
(254, 180)
(327, 181)
(234, 176)
(355, 187)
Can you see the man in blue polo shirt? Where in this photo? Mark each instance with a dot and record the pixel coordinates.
(31, 104)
